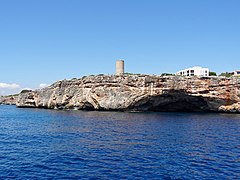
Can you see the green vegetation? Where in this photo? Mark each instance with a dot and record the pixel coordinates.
(167, 74)
(128, 73)
(100, 75)
(25, 91)
(136, 74)
(212, 74)
(11, 95)
(226, 74)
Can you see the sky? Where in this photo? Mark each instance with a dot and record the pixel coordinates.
(49, 40)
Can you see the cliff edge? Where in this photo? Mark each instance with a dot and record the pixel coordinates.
(138, 93)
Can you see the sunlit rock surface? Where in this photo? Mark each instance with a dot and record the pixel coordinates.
(138, 93)
(8, 100)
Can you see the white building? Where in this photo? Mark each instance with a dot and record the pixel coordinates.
(194, 71)
(236, 73)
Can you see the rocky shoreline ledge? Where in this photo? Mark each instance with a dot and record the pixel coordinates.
(8, 100)
(138, 93)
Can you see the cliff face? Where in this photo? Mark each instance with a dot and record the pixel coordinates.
(8, 100)
(138, 93)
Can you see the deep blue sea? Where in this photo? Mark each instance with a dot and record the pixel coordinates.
(52, 144)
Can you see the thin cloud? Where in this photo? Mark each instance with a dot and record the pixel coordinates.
(43, 85)
(7, 89)
(26, 88)
(9, 86)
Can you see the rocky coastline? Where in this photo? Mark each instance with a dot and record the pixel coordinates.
(8, 100)
(138, 93)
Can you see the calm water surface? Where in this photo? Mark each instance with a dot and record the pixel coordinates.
(49, 144)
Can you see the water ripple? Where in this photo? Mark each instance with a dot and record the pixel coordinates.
(44, 144)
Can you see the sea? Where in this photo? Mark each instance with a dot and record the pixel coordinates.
(58, 144)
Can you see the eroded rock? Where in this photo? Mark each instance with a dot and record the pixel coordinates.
(138, 93)
(8, 100)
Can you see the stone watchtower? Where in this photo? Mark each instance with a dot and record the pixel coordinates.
(120, 67)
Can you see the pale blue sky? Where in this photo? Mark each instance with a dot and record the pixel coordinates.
(48, 40)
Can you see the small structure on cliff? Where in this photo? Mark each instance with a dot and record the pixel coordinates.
(120, 67)
(194, 71)
(237, 73)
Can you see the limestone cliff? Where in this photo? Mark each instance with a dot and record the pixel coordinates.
(138, 93)
(8, 100)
